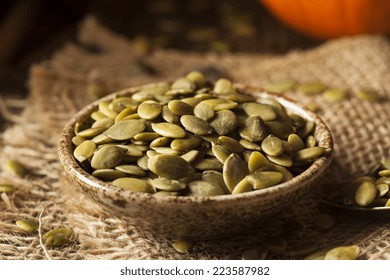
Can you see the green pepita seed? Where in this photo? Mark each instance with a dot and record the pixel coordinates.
(169, 166)
(243, 186)
(164, 184)
(160, 142)
(365, 193)
(249, 145)
(208, 164)
(168, 116)
(183, 246)
(367, 94)
(220, 104)
(272, 146)
(309, 153)
(311, 88)
(296, 142)
(335, 95)
(220, 152)
(106, 123)
(108, 175)
(383, 189)
(169, 130)
(77, 140)
(234, 170)
(6, 188)
(203, 188)
(58, 237)
(343, 253)
(257, 161)
(224, 86)
(84, 151)
(27, 225)
(197, 78)
(131, 170)
(133, 184)
(279, 129)
(224, 122)
(105, 109)
(180, 108)
(283, 160)
(183, 83)
(188, 143)
(230, 144)
(265, 111)
(310, 141)
(146, 136)
(384, 173)
(15, 168)
(125, 129)
(215, 178)
(107, 157)
(203, 111)
(190, 156)
(254, 129)
(264, 179)
(280, 85)
(196, 125)
(149, 110)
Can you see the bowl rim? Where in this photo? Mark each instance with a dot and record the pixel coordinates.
(318, 167)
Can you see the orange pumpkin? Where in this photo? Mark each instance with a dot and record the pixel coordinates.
(326, 19)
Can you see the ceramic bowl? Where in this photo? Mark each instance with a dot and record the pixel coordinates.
(197, 218)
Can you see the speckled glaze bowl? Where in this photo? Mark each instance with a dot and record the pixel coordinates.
(197, 218)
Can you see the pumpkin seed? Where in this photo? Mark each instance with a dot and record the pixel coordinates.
(104, 109)
(335, 95)
(218, 104)
(223, 86)
(272, 146)
(143, 162)
(190, 156)
(310, 141)
(183, 83)
(168, 116)
(243, 186)
(313, 106)
(307, 129)
(234, 170)
(183, 246)
(287, 176)
(58, 237)
(249, 145)
(77, 140)
(95, 116)
(168, 185)
(265, 111)
(107, 157)
(131, 170)
(264, 179)
(367, 94)
(203, 111)
(279, 129)
(121, 103)
(84, 151)
(230, 144)
(106, 123)
(382, 189)
(343, 253)
(126, 113)
(108, 175)
(203, 188)
(125, 129)
(133, 184)
(192, 101)
(146, 136)
(283, 160)
(254, 129)
(257, 161)
(197, 78)
(220, 152)
(309, 153)
(365, 193)
(169, 130)
(149, 110)
(215, 178)
(385, 164)
(180, 108)
(280, 85)
(311, 88)
(27, 225)
(196, 125)
(384, 173)
(165, 193)
(5, 188)
(15, 168)
(188, 143)
(296, 142)
(169, 166)
(160, 142)
(208, 164)
(224, 122)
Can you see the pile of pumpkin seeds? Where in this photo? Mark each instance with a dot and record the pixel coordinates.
(365, 191)
(194, 138)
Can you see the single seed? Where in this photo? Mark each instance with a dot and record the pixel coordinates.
(196, 125)
(180, 108)
(367, 94)
(58, 237)
(183, 83)
(133, 184)
(224, 122)
(107, 157)
(234, 170)
(160, 142)
(310, 141)
(384, 173)
(168, 185)
(283, 160)
(382, 189)
(343, 253)
(243, 186)
(168, 116)
(249, 145)
(335, 95)
(218, 104)
(208, 164)
(215, 178)
(108, 175)
(197, 78)
(183, 246)
(203, 188)
(84, 151)
(272, 146)
(190, 156)
(104, 108)
(230, 144)
(169, 166)
(309, 153)
(257, 161)
(224, 86)
(169, 130)
(149, 110)
(220, 152)
(279, 129)
(15, 168)
(131, 170)
(188, 143)
(280, 85)
(311, 88)
(254, 129)
(106, 123)
(265, 111)
(296, 142)
(204, 111)
(365, 193)
(146, 136)
(27, 225)
(264, 179)
(6, 188)
(125, 129)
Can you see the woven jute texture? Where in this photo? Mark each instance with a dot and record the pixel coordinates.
(361, 132)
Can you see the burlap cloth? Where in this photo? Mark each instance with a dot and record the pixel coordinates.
(57, 90)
